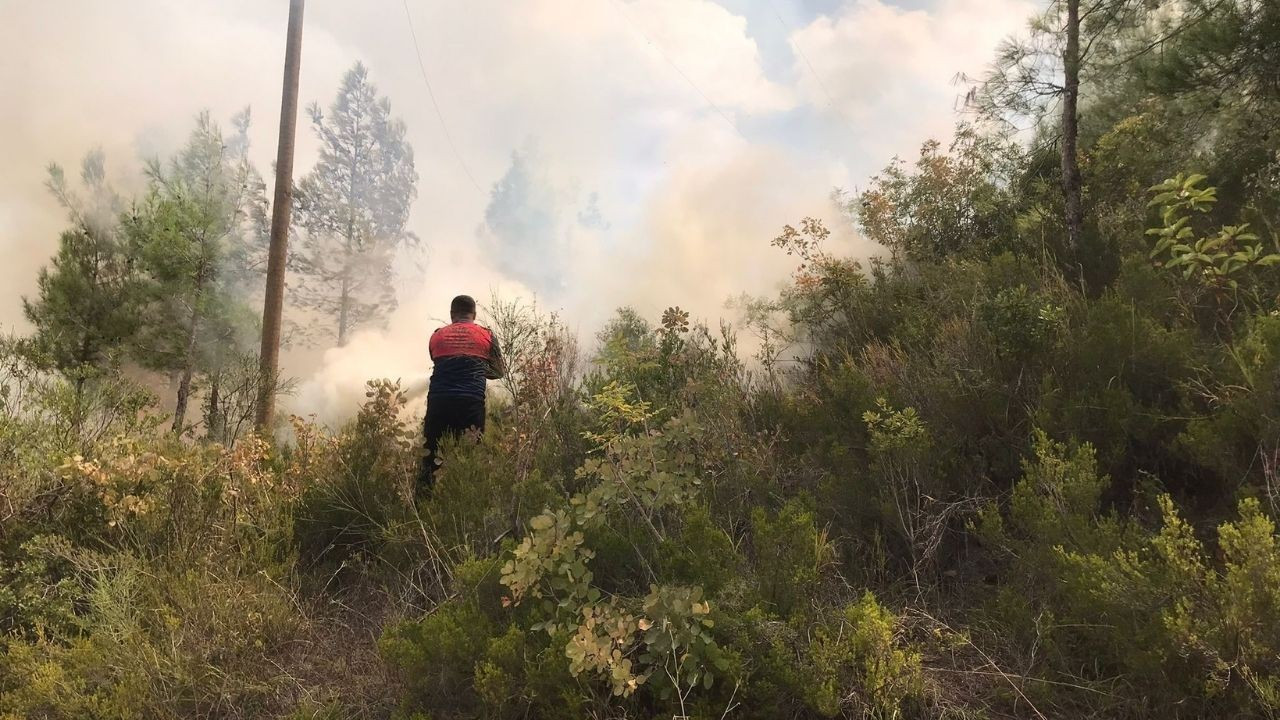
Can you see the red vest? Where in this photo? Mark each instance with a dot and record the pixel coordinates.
(461, 338)
(461, 354)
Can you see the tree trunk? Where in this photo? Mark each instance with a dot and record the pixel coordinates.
(344, 307)
(1071, 182)
(344, 313)
(188, 370)
(86, 353)
(214, 419)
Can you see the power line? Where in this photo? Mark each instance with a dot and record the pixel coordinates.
(800, 51)
(680, 72)
(431, 94)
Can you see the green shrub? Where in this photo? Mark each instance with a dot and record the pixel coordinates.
(39, 591)
(1239, 434)
(700, 553)
(1021, 322)
(156, 645)
(437, 654)
(1187, 630)
(355, 484)
(861, 665)
(467, 658)
(791, 555)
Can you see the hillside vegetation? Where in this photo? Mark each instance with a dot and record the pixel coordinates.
(1001, 472)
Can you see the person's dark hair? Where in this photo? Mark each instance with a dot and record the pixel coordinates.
(462, 305)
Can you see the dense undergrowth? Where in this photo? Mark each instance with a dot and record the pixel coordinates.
(987, 475)
(983, 494)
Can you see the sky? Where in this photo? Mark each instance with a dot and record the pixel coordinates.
(648, 149)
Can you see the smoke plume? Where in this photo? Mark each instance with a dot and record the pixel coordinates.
(584, 153)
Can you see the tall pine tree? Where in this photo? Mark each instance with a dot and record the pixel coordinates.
(353, 207)
(1069, 45)
(197, 237)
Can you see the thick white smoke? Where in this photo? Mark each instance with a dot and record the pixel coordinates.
(705, 239)
(332, 391)
(672, 138)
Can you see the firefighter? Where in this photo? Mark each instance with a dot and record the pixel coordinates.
(465, 357)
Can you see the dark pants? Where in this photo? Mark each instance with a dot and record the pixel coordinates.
(447, 415)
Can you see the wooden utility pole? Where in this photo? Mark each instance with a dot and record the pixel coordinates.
(273, 304)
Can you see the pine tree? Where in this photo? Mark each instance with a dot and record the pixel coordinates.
(1227, 50)
(1035, 76)
(85, 308)
(353, 207)
(198, 236)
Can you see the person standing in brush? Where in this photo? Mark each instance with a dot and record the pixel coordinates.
(465, 357)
